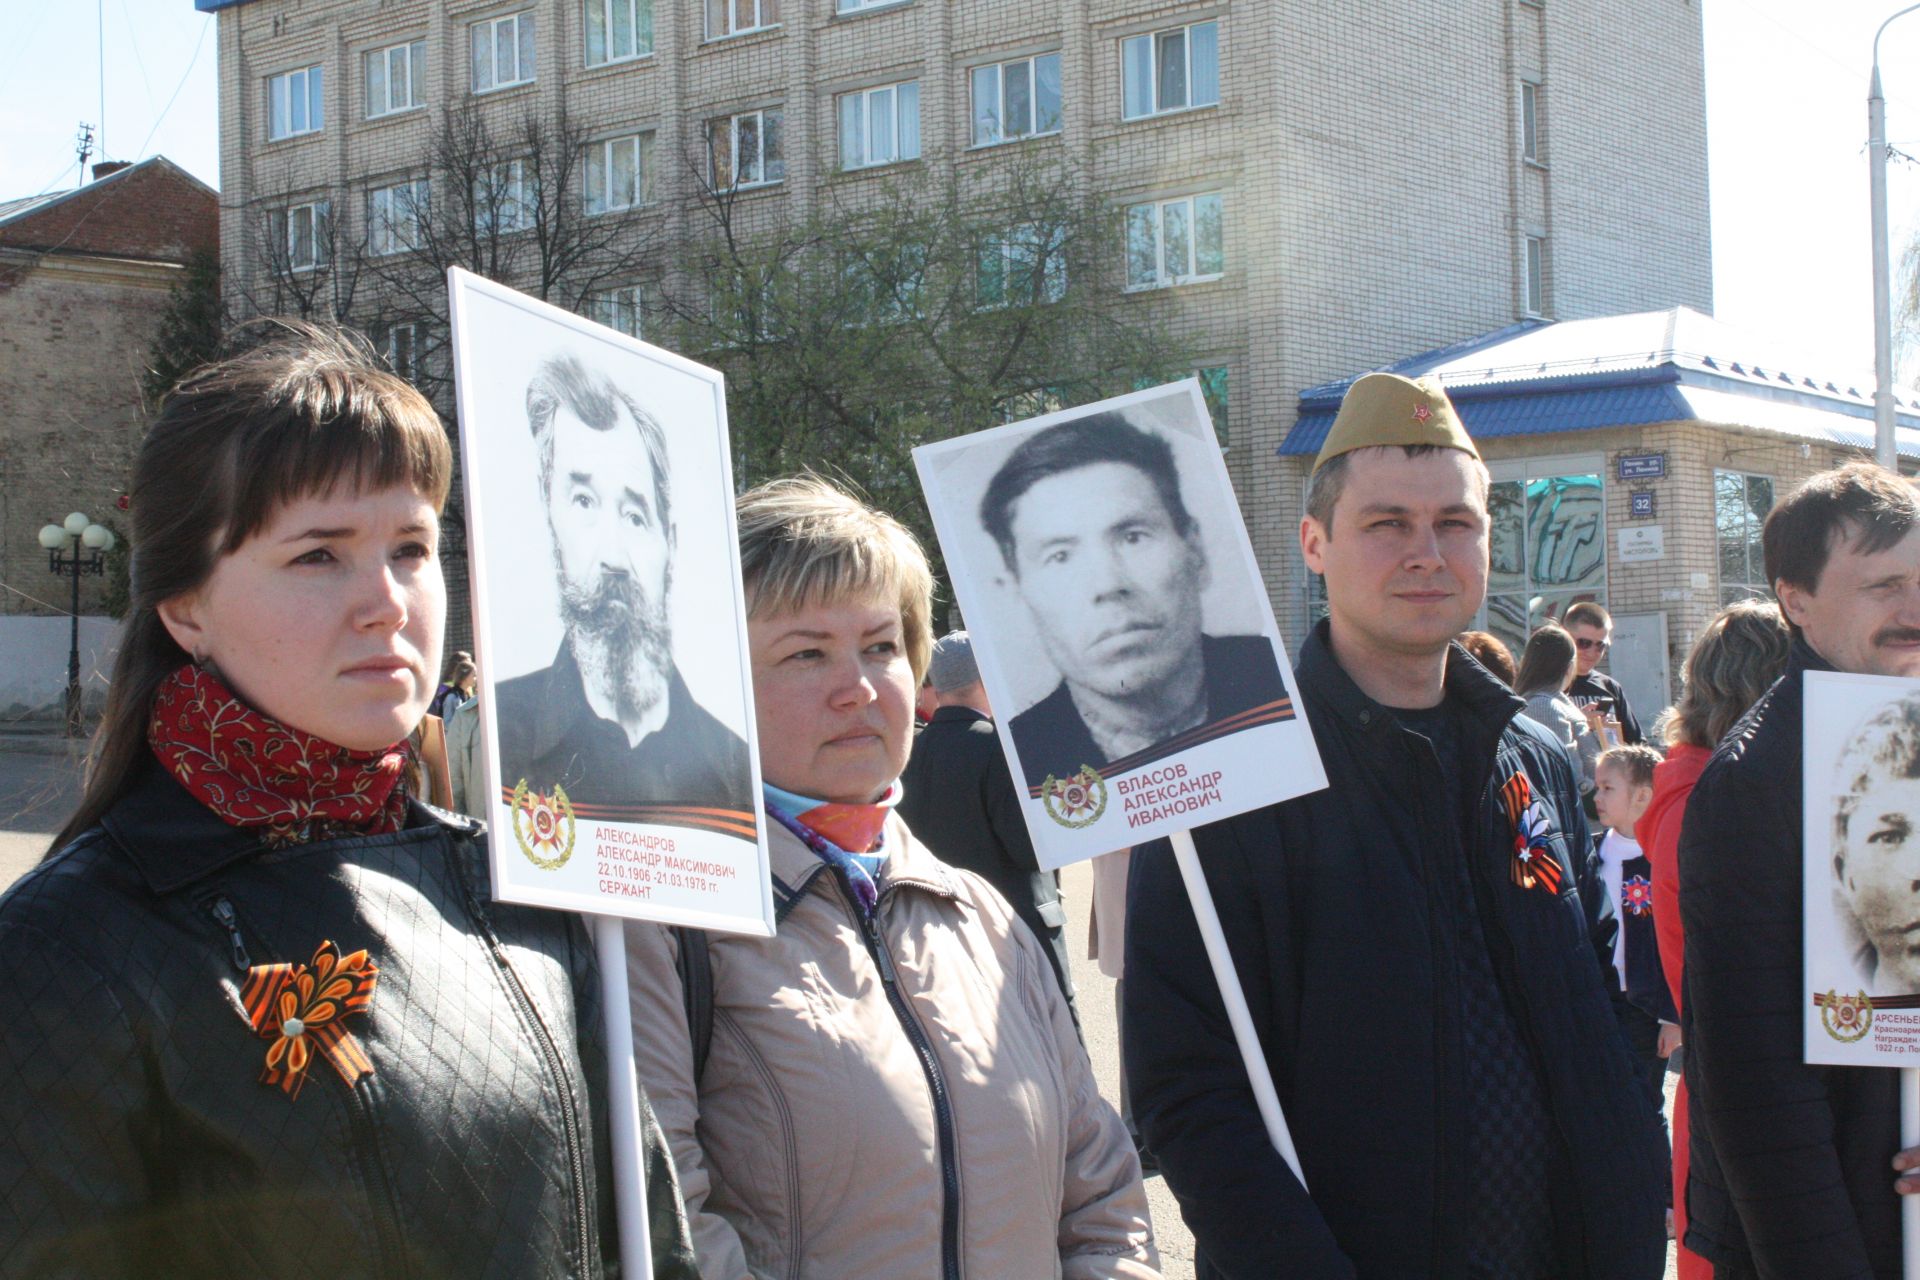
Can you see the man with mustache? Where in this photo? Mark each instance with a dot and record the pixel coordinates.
(1793, 1166)
(611, 722)
(1108, 561)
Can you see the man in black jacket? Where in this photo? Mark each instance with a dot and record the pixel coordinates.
(958, 797)
(1419, 944)
(1792, 1165)
(1591, 627)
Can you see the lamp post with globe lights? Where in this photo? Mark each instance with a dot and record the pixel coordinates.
(64, 543)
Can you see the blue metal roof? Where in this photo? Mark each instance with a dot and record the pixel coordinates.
(1541, 377)
(209, 6)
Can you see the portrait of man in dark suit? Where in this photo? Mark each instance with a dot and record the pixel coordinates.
(610, 720)
(1110, 566)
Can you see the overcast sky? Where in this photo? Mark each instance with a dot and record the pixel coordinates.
(1786, 124)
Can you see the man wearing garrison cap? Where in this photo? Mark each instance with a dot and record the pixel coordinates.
(1420, 945)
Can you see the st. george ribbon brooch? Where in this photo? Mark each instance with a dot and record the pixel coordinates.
(300, 1007)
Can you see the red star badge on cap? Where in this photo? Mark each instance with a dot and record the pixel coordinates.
(1421, 413)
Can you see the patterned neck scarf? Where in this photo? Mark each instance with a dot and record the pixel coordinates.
(847, 837)
(257, 773)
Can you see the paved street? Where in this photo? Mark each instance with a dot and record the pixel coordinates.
(40, 784)
(39, 787)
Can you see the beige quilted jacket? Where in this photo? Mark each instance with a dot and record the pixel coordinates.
(909, 1102)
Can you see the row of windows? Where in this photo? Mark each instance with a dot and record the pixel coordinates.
(1168, 242)
(1173, 70)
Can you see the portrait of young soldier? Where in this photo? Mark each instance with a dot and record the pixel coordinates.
(1110, 566)
(1422, 944)
(1876, 847)
(610, 720)
(1794, 1166)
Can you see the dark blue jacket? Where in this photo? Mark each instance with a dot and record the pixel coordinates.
(1791, 1170)
(1346, 957)
(1646, 985)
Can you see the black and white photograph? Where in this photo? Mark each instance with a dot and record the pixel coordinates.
(1138, 680)
(1862, 869)
(609, 619)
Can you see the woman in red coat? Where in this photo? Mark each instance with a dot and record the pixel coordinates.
(1738, 656)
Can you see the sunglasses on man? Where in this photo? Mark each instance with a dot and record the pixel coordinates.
(1586, 642)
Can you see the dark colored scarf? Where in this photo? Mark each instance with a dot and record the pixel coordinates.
(257, 773)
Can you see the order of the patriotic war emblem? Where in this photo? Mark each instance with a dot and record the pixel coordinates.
(1846, 1018)
(543, 825)
(1076, 801)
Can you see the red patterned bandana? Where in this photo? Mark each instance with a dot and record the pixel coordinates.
(260, 774)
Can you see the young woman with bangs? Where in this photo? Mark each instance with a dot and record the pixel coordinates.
(258, 1013)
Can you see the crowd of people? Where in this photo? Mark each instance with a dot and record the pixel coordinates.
(260, 1015)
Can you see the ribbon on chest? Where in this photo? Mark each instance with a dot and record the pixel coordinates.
(1533, 865)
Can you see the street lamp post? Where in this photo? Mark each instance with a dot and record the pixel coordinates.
(1883, 450)
(63, 542)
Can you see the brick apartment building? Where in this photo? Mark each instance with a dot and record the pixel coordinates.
(1307, 191)
(84, 277)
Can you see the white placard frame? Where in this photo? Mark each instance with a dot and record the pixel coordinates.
(494, 437)
(1248, 768)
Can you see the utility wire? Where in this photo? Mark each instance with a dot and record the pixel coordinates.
(197, 46)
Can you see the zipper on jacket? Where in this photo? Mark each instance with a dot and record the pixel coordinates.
(942, 1104)
(227, 918)
(569, 1120)
(380, 1194)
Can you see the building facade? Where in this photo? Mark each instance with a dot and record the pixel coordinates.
(84, 278)
(1303, 190)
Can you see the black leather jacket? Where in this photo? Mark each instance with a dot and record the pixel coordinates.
(136, 1137)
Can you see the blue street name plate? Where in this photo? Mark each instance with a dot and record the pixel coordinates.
(1643, 466)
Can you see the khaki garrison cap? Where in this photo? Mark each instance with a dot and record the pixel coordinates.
(1385, 408)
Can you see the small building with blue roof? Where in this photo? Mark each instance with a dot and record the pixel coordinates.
(1634, 460)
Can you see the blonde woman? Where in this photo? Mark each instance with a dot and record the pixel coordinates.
(892, 1085)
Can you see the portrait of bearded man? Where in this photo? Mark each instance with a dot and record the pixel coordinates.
(610, 721)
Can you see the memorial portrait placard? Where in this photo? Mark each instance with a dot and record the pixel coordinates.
(616, 697)
(1861, 833)
(1123, 632)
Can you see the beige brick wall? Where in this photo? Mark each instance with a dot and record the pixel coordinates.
(74, 337)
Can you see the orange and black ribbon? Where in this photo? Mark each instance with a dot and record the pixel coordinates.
(1533, 865)
(300, 1008)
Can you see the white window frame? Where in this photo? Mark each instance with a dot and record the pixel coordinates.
(1530, 149)
(861, 6)
(1533, 275)
(1162, 279)
(1016, 249)
(887, 100)
(399, 345)
(599, 195)
(763, 15)
(731, 124)
(1756, 588)
(1526, 471)
(317, 218)
(997, 134)
(621, 308)
(394, 215)
(504, 205)
(412, 55)
(525, 61)
(639, 17)
(1153, 41)
(311, 103)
